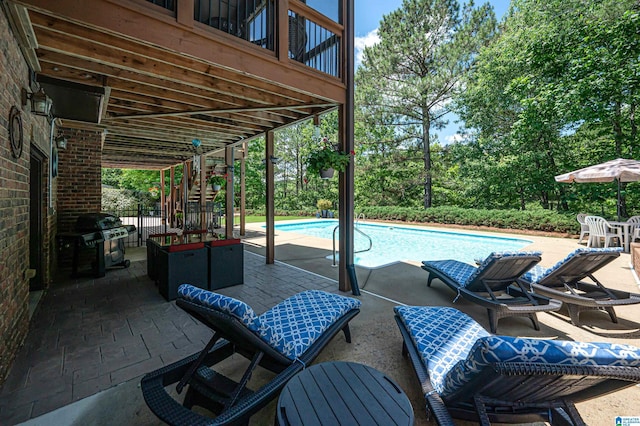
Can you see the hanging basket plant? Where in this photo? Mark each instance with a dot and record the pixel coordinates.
(327, 157)
(217, 181)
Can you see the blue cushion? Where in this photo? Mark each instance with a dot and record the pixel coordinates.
(291, 326)
(492, 349)
(222, 303)
(442, 336)
(299, 321)
(454, 348)
(464, 273)
(537, 273)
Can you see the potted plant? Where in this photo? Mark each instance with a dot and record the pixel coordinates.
(217, 181)
(324, 206)
(326, 159)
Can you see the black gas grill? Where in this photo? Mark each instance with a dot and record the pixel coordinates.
(100, 231)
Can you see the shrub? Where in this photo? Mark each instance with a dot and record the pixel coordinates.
(324, 204)
(535, 220)
(118, 199)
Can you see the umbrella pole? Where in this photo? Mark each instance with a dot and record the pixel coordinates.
(618, 199)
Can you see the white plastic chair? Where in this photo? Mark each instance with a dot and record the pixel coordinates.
(600, 228)
(584, 228)
(634, 232)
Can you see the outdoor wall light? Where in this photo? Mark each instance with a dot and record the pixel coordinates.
(40, 102)
(61, 142)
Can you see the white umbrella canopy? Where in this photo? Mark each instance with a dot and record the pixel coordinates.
(620, 169)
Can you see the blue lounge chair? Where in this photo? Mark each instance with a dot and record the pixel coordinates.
(283, 340)
(494, 284)
(564, 281)
(467, 373)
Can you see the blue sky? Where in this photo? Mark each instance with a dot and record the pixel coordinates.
(368, 16)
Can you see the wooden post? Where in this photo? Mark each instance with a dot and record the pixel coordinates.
(229, 211)
(346, 268)
(203, 192)
(172, 196)
(243, 189)
(270, 207)
(163, 202)
(283, 30)
(184, 12)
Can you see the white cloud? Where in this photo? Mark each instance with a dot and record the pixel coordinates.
(456, 137)
(361, 42)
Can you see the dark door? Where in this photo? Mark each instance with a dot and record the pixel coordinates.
(36, 195)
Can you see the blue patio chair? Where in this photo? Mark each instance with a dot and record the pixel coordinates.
(565, 281)
(468, 373)
(283, 340)
(494, 284)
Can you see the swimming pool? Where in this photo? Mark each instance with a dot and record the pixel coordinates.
(393, 243)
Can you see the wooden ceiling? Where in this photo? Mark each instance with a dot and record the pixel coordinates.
(168, 82)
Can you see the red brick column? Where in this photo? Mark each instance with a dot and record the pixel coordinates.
(79, 180)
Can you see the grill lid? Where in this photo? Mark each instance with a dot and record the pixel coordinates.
(97, 222)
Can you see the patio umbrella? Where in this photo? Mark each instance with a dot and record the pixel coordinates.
(620, 169)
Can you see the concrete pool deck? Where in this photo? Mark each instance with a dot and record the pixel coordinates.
(405, 283)
(115, 397)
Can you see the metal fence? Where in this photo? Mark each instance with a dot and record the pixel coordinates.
(149, 221)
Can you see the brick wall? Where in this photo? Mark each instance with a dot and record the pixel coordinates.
(635, 257)
(14, 200)
(79, 176)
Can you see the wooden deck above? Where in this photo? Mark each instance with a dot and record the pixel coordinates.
(188, 69)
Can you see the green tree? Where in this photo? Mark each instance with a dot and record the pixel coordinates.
(557, 66)
(425, 48)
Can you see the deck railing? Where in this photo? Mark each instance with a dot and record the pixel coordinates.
(313, 39)
(313, 44)
(167, 4)
(251, 20)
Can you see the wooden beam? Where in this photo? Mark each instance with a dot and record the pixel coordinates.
(19, 21)
(346, 268)
(203, 192)
(230, 192)
(283, 30)
(122, 62)
(172, 189)
(243, 189)
(149, 103)
(214, 111)
(59, 34)
(163, 202)
(184, 13)
(270, 207)
(138, 23)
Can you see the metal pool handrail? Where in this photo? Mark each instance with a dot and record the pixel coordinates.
(357, 230)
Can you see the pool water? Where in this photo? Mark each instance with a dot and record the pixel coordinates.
(397, 243)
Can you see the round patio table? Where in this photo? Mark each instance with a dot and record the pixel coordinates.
(343, 393)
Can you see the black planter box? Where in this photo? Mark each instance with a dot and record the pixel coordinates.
(226, 263)
(181, 264)
(155, 243)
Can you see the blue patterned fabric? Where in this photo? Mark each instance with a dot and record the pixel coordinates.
(442, 336)
(454, 348)
(291, 326)
(537, 273)
(464, 273)
(492, 349)
(300, 320)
